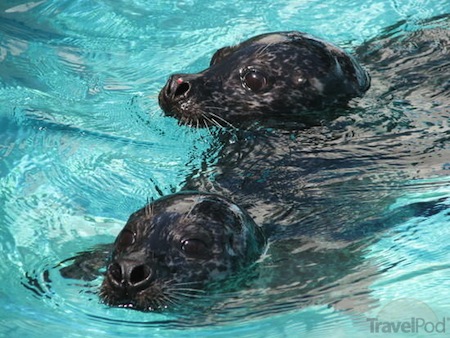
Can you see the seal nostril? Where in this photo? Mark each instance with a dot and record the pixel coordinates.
(168, 88)
(115, 272)
(126, 273)
(139, 274)
(182, 89)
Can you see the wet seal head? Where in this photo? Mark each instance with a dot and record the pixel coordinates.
(274, 75)
(176, 246)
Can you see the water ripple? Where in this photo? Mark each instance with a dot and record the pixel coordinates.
(83, 143)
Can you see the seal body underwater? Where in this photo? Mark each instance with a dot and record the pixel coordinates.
(315, 172)
(187, 242)
(323, 177)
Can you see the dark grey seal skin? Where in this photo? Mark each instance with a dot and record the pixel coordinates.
(174, 248)
(271, 76)
(320, 182)
(325, 189)
(296, 170)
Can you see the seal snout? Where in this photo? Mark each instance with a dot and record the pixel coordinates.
(175, 91)
(130, 275)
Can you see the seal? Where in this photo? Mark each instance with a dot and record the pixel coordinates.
(321, 194)
(177, 245)
(283, 174)
(273, 75)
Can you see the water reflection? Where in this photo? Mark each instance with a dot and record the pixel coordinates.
(74, 128)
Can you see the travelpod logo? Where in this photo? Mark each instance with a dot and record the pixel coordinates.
(408, 316)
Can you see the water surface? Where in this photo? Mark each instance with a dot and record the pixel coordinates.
(83, 144)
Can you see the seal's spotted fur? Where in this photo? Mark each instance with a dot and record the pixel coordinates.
(267, 76)
(177, 245)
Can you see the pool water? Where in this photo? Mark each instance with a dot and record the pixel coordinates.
(83, 144)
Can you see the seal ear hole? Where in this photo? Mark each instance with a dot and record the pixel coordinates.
(194, 248)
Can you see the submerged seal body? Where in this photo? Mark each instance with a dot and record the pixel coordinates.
(176, 245)
(328, 188)
(324, 188)
(274, 75)
(288, 173)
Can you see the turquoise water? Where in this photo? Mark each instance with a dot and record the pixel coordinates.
(83, 144)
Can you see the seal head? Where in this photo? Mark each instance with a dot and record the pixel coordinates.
(178, 245)
(283, 74)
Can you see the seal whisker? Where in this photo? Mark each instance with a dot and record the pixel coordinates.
(189, 293)
(154, 303)
(217, 123)
(172, 300)
(263, 48)
(223, 120)
(173, 294)
(199, 134)
(184, 283)
(212, 121)
(188, 214)
(193, 293)
(207, 127)
(186, 295)
(190, 290)
(153, 112)
(180, 289)
(149, 209)
(216, 108)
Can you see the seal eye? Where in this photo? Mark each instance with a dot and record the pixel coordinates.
(253, 79)
(194, 247)
(125, 239)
